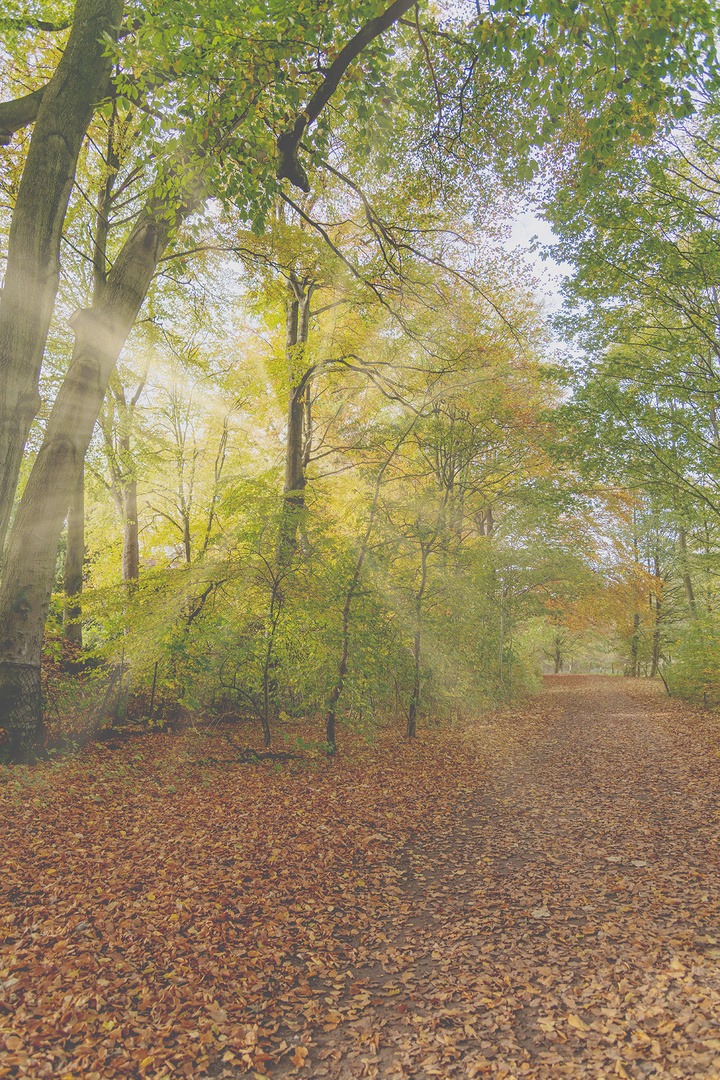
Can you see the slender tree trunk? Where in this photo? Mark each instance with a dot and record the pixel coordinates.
(489, 522)
(74, 559)
(656, 602)
(187, 534)
(33, 262)
(558, 656)
(685, 570)
(417, 637)
(335, 693)
(100, 334)
(276, 603)
(415, 696)
(297, 450)
(131, 539)
(118, 451)
(635, 646)
(656, 639)
(219, 463)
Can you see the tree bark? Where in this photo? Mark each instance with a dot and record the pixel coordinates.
(415, 696)
(685, 571)
(123, 483)
(74, 559)
(635, 646)
(131, 540)
(100, 333)
(33, 258)
(15, 115)
(297, 323)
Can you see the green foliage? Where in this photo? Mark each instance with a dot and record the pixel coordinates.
(694, 671)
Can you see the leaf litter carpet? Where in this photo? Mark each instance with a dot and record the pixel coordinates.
(535, 896)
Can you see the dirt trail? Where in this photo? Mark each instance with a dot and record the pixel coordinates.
(567, 924)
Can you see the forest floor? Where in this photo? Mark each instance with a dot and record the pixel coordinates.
(535, 895)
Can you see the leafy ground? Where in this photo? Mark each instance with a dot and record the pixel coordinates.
(535, 896)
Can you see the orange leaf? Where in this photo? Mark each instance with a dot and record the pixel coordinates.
(299, 1056)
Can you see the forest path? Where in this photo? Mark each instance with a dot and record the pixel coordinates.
(567, 923)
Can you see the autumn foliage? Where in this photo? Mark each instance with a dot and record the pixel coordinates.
(534, 895)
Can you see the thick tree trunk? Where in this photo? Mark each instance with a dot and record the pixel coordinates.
(100, 334)
(74, 559)
(33, 259)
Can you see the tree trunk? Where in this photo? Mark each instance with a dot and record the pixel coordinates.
(131, 542)
(123, 473)
(656, 624)
(489, 522)
(656, 639)
(74, 559)
(297, 449)
(33, 258)
(685, 570)
(100, 334)
(186, 531)
(415, 696)
(335, 693)
(635, 646)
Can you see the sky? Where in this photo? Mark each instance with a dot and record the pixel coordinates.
(525, 228)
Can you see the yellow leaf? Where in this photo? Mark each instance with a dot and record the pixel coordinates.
(577, 1023)
(299, 1056)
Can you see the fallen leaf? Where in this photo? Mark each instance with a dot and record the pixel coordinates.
(299, 1056)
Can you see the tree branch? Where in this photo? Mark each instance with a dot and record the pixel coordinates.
(17, 114)
(34, 24)
(288, 143)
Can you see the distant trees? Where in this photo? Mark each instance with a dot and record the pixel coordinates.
(643, 308)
